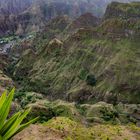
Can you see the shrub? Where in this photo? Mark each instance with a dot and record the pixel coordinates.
(10, 127)
(25, 98)
(91, 80)
(83, 74)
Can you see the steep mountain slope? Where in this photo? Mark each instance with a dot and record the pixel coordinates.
(86, 20)
(5, 81)
(126, 10)
(14, 6)
(19, 17)
(63, 26)
(80, 75)
(88, 66)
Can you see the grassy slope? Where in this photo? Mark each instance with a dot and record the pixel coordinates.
(123, 10)
(62, 128)
(60, 69)
(64, 70)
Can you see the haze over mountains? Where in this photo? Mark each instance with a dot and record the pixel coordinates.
(55, 7)
(22, 16)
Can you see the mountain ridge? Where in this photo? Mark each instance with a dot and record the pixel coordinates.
(80, 75)
(81, 44)
(32, 15)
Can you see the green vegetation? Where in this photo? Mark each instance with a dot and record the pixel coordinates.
(66, 129)
(12, 126)
(8, 39)
(123, 10)
(46, 109)
(91, 80)
(25, 98)
(79, 132)
(118, 27)
(80, 65)
(83, 83)
(100, 112)
(113, 65)
(131, 8)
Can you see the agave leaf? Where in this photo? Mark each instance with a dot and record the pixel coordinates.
(3, 98)
(6, 108)
(26, 124)
(16, 125)
(10, 127)
(9, 123)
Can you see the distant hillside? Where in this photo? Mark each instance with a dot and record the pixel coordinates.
(126, 10)
(92, 63)
(23, 16)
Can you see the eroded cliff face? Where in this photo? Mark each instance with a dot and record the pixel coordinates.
(124, 11)
(5, 81)
(18, 17)
(80, 62)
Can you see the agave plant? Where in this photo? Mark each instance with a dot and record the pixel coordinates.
(10, 127)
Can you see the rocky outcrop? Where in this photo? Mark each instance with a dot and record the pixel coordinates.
(121, 20)
(19, 48)
(5, 82)
(17, 16)
(55, 43)
(24, 65)
(4, 61)
(9, 9)
(123, 10)
(116, 28)
(58, 23)
(47, 110)
(86, 20)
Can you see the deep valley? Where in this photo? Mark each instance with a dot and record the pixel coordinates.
(78, 71)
